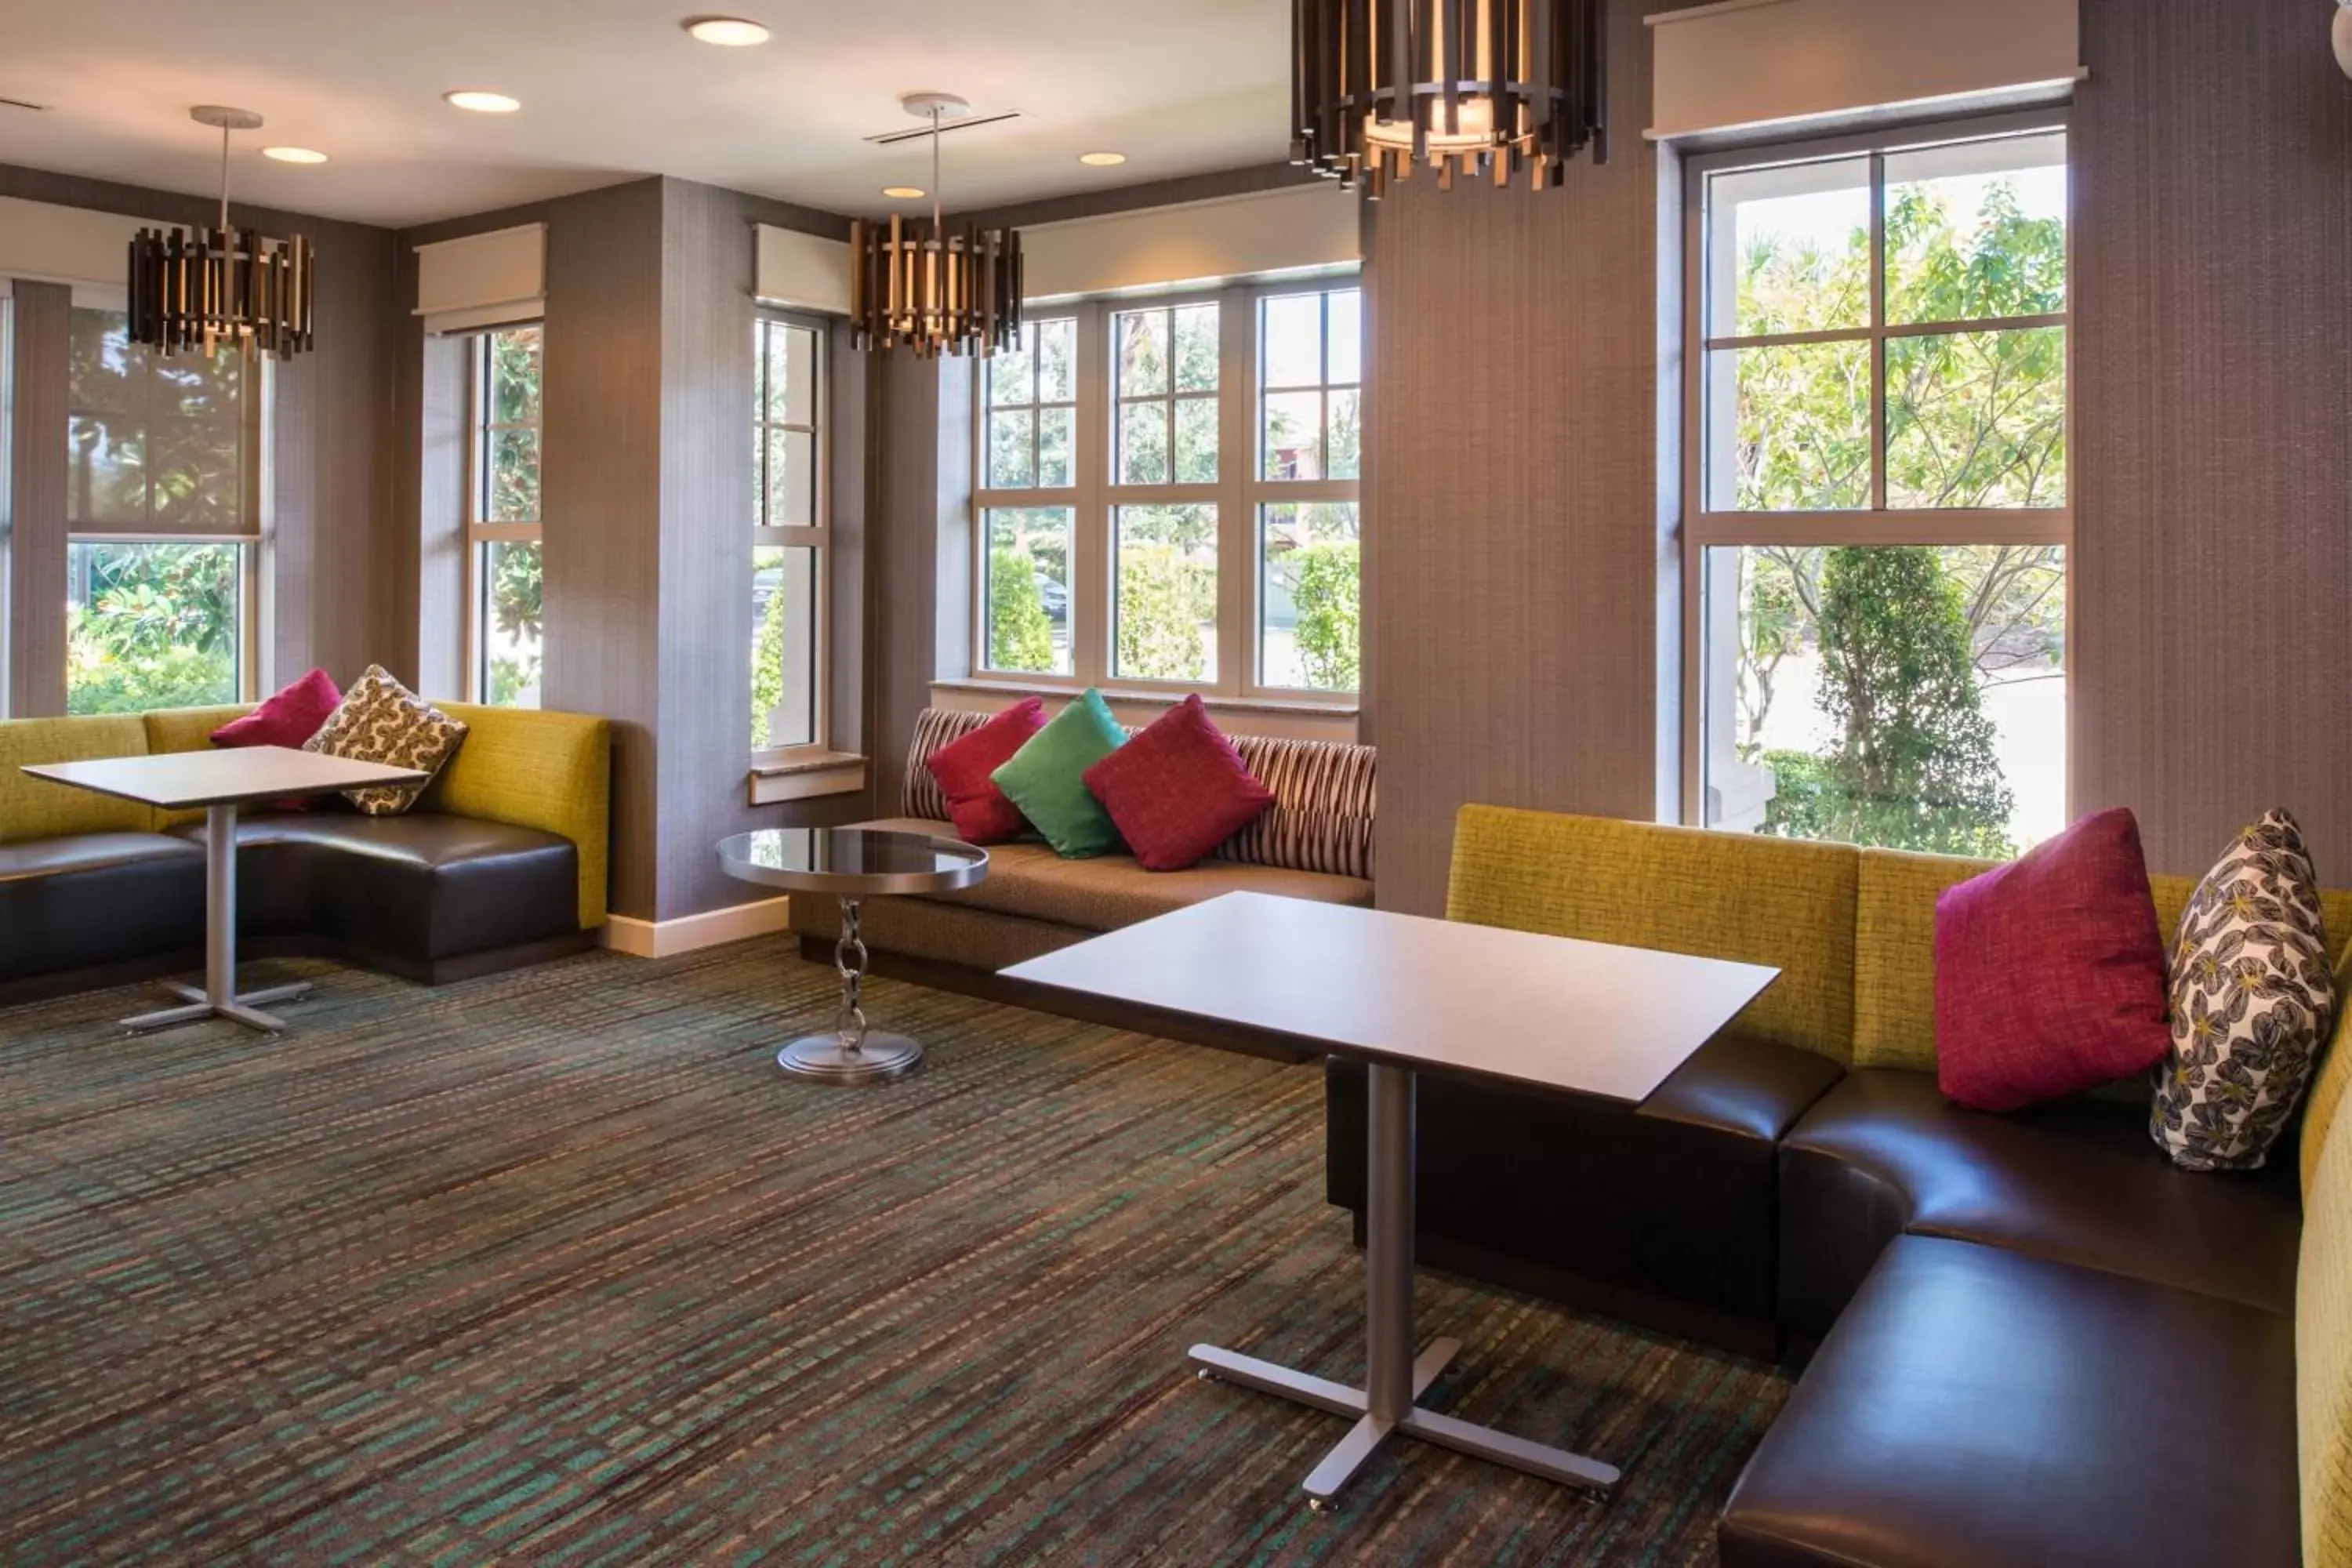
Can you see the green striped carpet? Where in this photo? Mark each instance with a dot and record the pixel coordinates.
(555, 1267)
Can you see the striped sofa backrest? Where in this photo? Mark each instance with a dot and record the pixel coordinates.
(1324, 793)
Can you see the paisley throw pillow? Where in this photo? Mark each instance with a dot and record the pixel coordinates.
(2252, 1001)
(381, 721)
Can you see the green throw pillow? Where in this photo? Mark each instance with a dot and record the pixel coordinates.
(1045, 779)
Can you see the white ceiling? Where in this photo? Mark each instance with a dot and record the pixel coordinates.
(614, 89)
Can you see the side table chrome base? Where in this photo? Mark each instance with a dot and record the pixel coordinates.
(877, 1058)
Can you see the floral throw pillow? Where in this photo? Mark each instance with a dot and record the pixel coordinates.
(2252, 998)
(381, 721)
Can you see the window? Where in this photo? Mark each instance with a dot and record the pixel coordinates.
(503, 521)
(1168, 494)
(163, 520)
(790, 535)
(1874, 567)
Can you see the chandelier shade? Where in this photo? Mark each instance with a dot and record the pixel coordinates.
(1502, 90)
(196, 290)
(920, 287)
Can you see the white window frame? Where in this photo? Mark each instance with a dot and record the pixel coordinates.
(1704, 529)
(818, 537)
(252, 537)
(1238, 494)
(480, 531)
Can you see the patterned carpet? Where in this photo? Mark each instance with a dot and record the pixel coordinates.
(554, 1267)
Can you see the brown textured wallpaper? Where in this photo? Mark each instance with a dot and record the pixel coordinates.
(2212, 608)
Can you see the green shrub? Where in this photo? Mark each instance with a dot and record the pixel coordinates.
(1020, 635)
(1327, 587)
(1165, 598)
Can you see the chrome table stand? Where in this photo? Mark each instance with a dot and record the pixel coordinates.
(851, 1053)
(217, 998)
(1395, 1376)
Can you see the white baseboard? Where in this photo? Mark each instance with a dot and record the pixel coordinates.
(662, 939)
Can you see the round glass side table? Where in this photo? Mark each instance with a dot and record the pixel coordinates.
(852, 864)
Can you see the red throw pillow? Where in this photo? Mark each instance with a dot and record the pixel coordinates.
(288, 719)
(981, 812)
(1178, 789)
(2050, 971)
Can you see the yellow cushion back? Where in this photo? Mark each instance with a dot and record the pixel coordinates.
(549, 770)
(1718, 895)
(2334, 1076)
(36, 808)
(1895, 955)
(2323, 1358)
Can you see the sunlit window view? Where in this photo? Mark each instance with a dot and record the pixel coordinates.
(1904, 694)
(1165, 384)
(789, 535)
(157, 510)
(1310, 431)
(1030, 425)
(510, 565)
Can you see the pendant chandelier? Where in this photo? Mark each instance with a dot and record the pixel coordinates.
(937, 292)
(1493, 90)
(204, 289)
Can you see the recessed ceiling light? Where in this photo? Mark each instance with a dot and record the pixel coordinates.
(482, 102)
(294, 154)
(730, 32)
(1102, 160)
(903, 192)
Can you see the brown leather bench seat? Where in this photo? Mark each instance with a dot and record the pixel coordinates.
(401, 893)
(1531, 1188)
(1979, 1407)
(1885, 1153)
(84, 901)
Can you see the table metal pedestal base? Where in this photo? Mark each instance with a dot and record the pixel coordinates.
(217, 998)
(1396, 1379)
(852, 1053)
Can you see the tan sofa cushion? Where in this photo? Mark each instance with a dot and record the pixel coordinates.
(1110, 891)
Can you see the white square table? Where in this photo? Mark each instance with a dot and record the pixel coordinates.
(217, 782)
(1402, 993)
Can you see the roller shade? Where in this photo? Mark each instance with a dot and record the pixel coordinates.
(1297, 228)
(483, 281)
(1751, 63)
(46, 243)
(806, 271)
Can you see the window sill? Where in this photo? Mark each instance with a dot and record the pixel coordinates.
(1274, 716)
(806, 775)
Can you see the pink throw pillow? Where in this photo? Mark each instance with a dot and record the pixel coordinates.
(288, 719)
(1178, 789)
(980, 810)
(2050, 971)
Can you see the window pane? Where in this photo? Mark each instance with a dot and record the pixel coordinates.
(513, 476)
(1788, 249)
(1057, 359)
(511, 620)
(790, 374)
(1908, 697)
(1976, 229)
(1012, 373)
(152, 625)
(1294, 435)
(1028, 578)
(195, 387)
(1346, 348)
(193, 468)
(1788, 428)
(1056, 446)
(106, 372)
(515, 366)
(1292, 351)
(1167, 615)
(1307, 597)
(1196, 349)
(1346, 436)
(1143, 443)
(1012, 451)
(107, 483)
(792, 478)
(784, 587)
(1196, 441)
(1976, 419)
(1142, 339)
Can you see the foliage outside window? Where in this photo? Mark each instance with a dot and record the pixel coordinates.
(1167, 494)
(789, 535)
(506, 525)
(164, 522)
(1882, 464)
